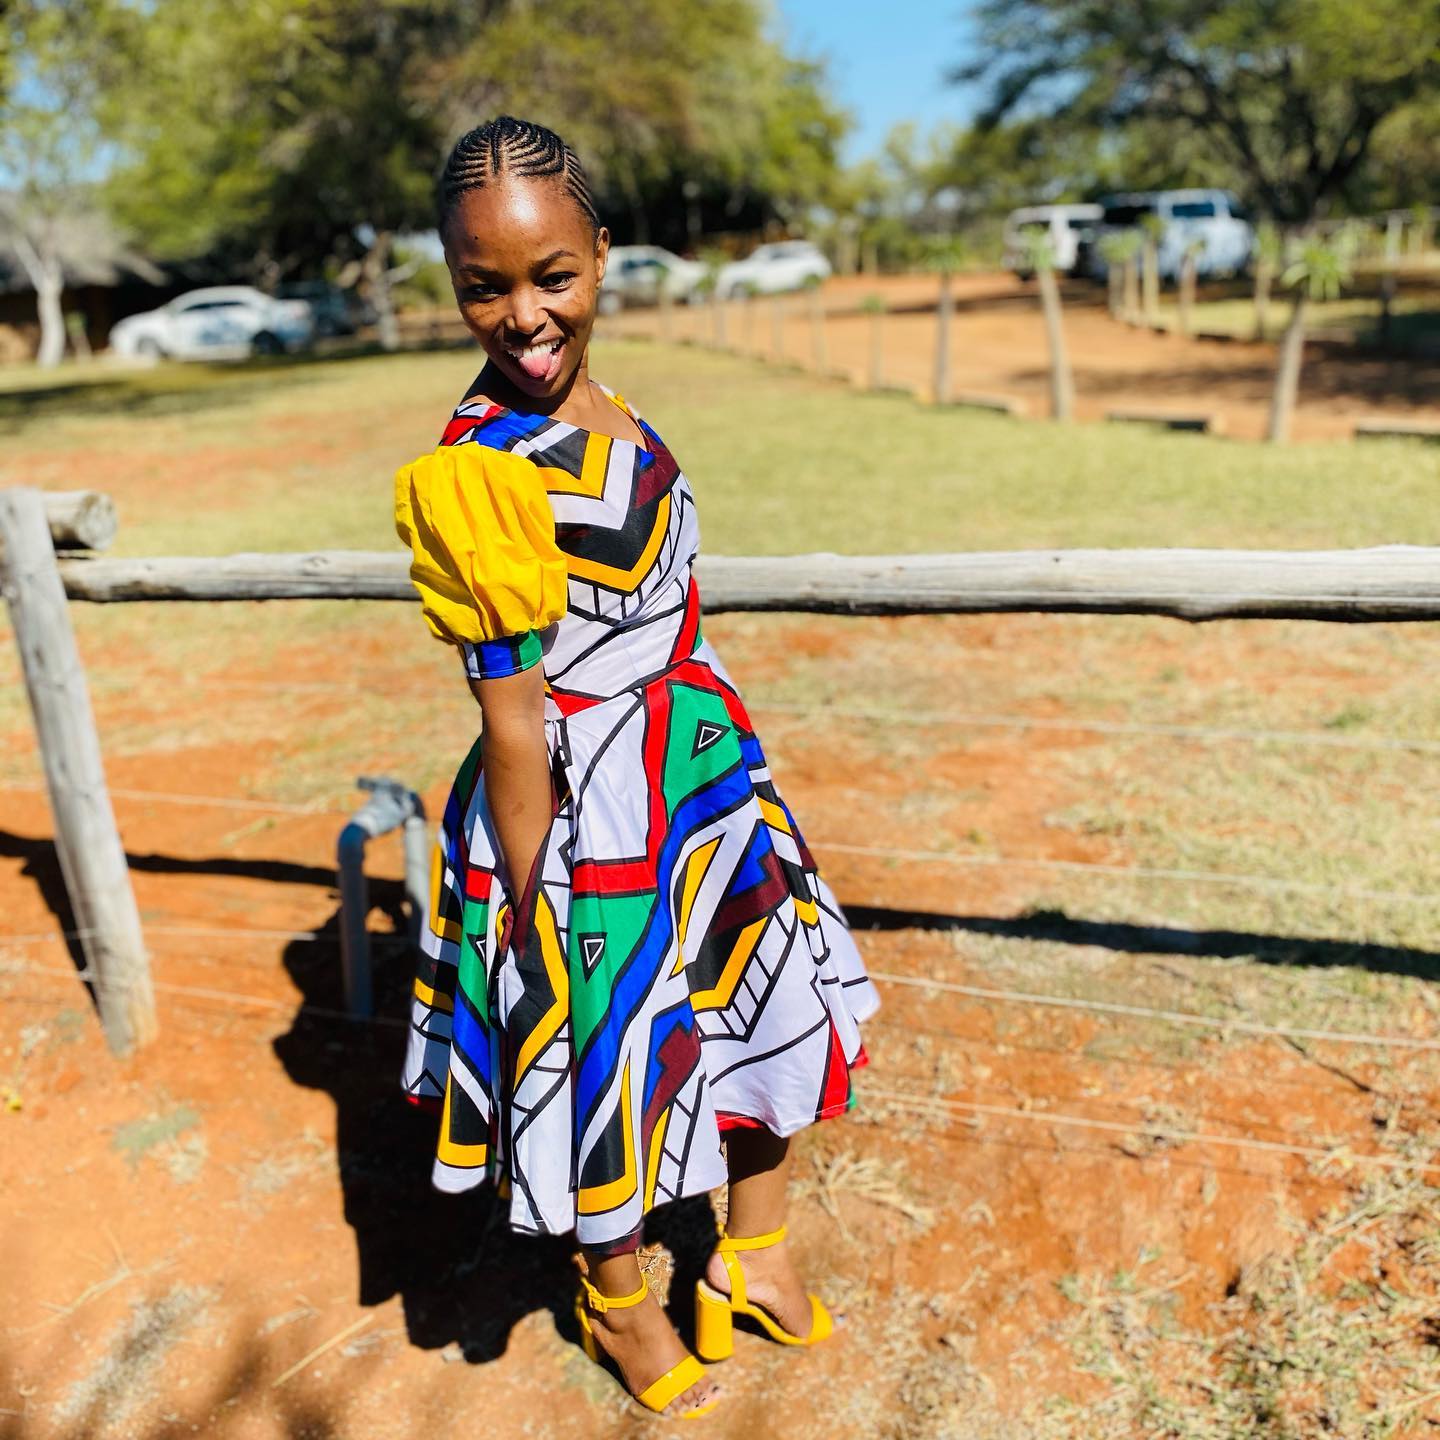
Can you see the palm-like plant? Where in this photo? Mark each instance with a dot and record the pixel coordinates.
(1040, 257)
(1318, 270)
(1119, 250)
(1185, 299)
(945, 255)
(1153, 229)
(1269, 257)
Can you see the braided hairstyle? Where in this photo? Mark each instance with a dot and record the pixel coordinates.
(507, 146)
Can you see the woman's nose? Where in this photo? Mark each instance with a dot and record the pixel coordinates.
(527, 314)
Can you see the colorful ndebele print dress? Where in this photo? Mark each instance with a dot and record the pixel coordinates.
(675, 966)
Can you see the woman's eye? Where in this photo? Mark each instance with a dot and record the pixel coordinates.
(558, 281)
(480, 292)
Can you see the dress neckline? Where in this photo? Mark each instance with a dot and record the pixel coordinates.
(650, 443)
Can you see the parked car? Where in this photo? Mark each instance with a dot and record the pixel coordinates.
(1213, 218)
(334, 311)
(223, 322)
(640, 274)
(782, 265)
(1065, 225)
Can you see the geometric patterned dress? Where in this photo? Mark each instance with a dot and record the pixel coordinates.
(675, 966)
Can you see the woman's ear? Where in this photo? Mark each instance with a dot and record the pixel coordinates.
(602, 253)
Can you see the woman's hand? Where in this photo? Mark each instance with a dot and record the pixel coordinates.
(516, 768)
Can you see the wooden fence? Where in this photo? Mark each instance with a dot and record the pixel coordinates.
(1383, 584)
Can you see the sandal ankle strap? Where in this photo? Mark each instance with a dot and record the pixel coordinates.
(730, 1243)
(601, 1303)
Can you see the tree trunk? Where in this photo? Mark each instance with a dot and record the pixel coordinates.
(1132, 290)
(1151, 276)
(1114, 280)
(1390, 279)
(944, 310)
(48, 277)
(376, 269)
(1262, 297)
(52, 320)
(717, 315)
(1287, 375)
(1062, 384)
(777, 329)
(1186, 298)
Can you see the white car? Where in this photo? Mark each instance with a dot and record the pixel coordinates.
(223, 322)
(1213, 221)
(1064, 225)
(783, 265)
(640, 274)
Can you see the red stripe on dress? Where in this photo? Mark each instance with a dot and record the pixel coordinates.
(689, 627)
(836, 1095)
(568, 704)
(462, 425)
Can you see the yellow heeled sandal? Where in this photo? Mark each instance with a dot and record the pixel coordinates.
(659, 1392)
(715, 1313)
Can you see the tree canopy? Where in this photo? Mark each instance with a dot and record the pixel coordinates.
(276, 134)
(1289, 95)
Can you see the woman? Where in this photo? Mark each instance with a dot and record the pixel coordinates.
(630, 954)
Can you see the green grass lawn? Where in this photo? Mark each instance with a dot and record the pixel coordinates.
(206, 460)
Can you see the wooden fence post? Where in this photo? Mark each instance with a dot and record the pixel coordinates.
(86, 840)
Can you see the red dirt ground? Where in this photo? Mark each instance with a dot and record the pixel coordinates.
(998, 348)
(232, 1232)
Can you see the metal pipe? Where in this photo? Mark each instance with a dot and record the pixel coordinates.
(391, 806)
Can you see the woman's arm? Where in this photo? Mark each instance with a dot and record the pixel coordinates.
(516, 767)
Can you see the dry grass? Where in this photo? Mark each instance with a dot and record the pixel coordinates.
(1333, 1336)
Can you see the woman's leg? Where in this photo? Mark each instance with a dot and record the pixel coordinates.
(759, 1166)
(640, 1339)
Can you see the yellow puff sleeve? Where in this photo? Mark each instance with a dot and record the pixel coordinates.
(482, 535)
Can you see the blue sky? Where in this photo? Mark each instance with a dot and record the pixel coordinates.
(887, 59)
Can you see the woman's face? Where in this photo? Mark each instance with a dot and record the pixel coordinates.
(526, 268)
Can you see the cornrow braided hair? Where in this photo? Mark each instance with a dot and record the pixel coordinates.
(507, 146)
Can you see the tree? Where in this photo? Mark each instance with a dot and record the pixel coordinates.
(1290, 93)
(272, 139)
(1269, 256)
(313, 130)
(1040, 257)
(657, 93)
(1119, 249)
(945, 256)
(1317, 272)
(50, 143)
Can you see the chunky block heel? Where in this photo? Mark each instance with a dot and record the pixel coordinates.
(714, 1324)
(657, 1395)
(715, 1313)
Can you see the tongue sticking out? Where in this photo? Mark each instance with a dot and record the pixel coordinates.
(540, 364)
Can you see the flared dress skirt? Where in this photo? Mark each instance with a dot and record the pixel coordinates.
(675, 966)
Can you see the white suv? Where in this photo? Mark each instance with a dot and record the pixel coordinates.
(223, 322)
(1213, 219)
(1065, 226)
(784, 265)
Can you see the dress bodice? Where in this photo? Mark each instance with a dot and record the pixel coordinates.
(625, 521)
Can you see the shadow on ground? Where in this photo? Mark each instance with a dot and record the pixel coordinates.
(463, 1276)
(1056, 925)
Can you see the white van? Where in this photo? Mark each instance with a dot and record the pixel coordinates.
(1066, 225)
(1214, 219)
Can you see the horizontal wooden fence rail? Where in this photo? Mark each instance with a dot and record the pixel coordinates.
(1398, 582)
(1393, 582)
